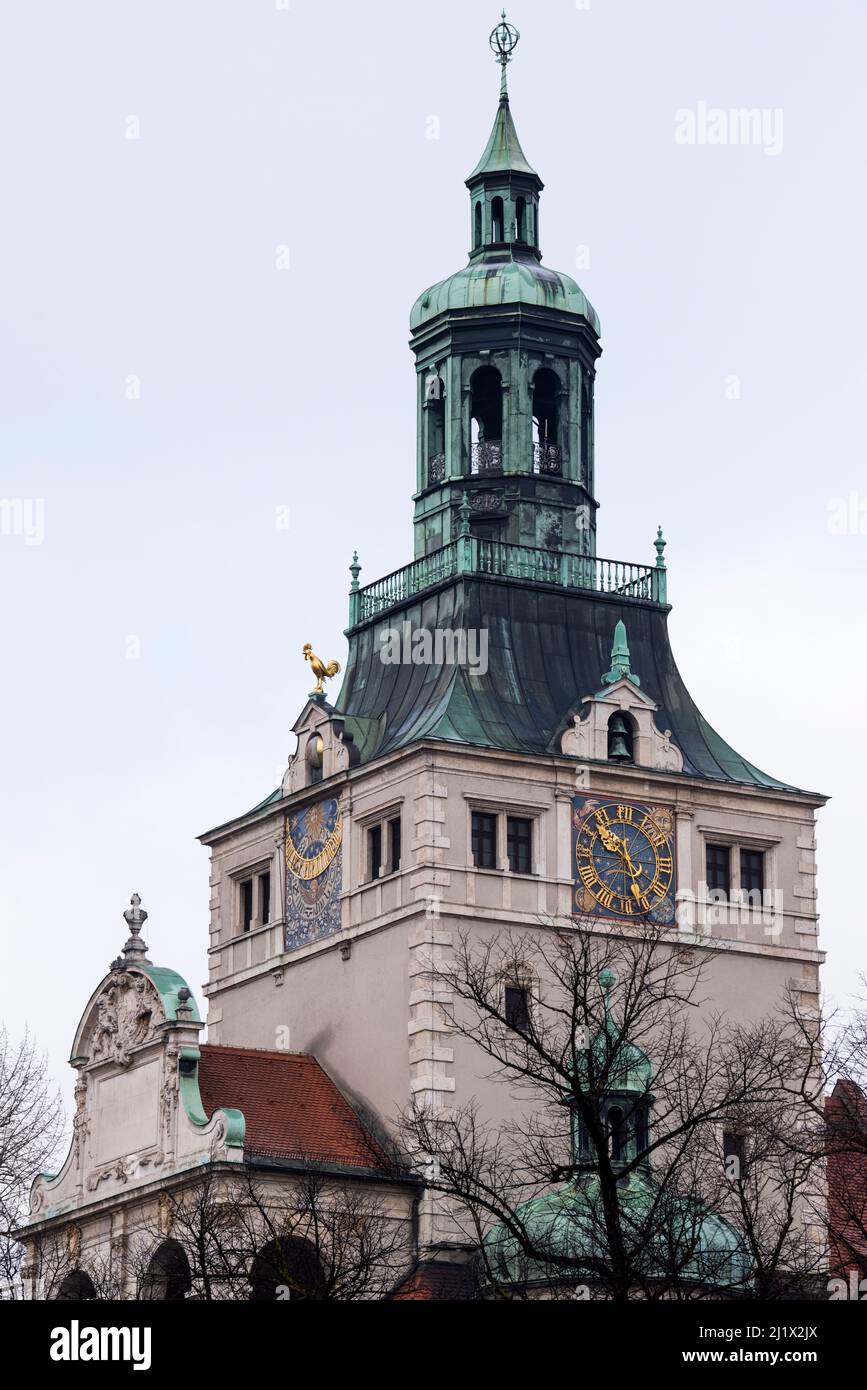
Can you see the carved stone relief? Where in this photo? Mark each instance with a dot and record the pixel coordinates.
(127, 1013)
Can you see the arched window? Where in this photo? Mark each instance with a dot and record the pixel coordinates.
(168, 1278)
(286, 1269)
(616, 1135)
(586, 430)
(620, 739)
(436, 432)
(477, 230)
(520, 220)
(76, 1287)
(547, 454)
(315, 752)
(641, 1135)
(497, 220)
(486, 409)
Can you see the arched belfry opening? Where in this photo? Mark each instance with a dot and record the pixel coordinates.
(586, 432)
(435, 413)
(547, 451)
(498, 233)
(621, 739)
(486, 426)
(520, 220)
(477, 227)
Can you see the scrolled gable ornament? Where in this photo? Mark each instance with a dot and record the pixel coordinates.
(127, 1012)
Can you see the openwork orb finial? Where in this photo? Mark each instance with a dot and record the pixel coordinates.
(503, 41)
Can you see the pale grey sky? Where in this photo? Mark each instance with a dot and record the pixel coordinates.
(261, 127)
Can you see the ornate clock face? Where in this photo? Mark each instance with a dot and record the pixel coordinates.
(314, 839)
(623, 859)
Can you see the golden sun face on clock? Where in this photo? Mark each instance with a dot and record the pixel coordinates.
(623, 860)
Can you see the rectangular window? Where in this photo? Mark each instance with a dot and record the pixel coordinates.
(484, 837)
(264, 899)
(394, 845)
(719, 868)
(519, 844)
(734, 1154)
(752, 870)
(246, 894)
(516, 1007)
(374, 851)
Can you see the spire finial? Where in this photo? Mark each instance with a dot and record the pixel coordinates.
(620, 668)
(503, 41)
(135, 949)
(607, 979)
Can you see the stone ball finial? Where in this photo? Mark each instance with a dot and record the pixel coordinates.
(184, 1010)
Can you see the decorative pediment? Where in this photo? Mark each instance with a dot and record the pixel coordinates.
(589, 736)
(138, 1111)
(323, 750)
(125, 1015)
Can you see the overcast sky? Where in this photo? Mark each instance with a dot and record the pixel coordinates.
(153, 637)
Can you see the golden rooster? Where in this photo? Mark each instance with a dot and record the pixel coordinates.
(320, 670)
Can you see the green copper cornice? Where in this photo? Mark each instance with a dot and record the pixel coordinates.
(168, 985)
(234, 1122)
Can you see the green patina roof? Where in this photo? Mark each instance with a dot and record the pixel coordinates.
(566, 1225)
(623, 1065)
(504, 280)
(167, 984)
(503, 153)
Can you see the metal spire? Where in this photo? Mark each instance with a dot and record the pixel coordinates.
(503, 41)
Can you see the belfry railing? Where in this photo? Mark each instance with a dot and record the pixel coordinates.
(471, 555)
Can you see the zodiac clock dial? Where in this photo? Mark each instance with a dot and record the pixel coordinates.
(623, 860)
(314, 840)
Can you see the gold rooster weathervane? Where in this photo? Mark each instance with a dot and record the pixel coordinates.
(321, 670)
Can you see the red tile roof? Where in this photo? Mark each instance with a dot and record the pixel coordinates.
(437, 1282)
(292, 1108)
(846, 1111)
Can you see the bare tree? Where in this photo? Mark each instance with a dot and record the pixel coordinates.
(31, 1123)
(259, 1232)
(840, 1050)
(633, 1149)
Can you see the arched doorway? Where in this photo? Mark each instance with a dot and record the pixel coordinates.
(286, 1269)
(76, 1287)
(168, 1278)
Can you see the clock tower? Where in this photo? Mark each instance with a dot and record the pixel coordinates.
(512, 742)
